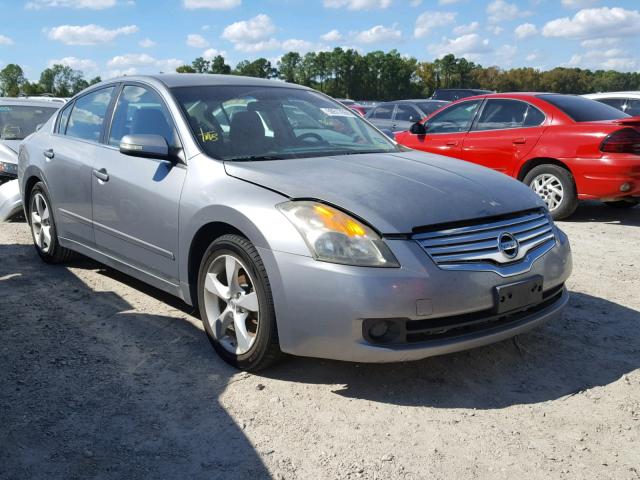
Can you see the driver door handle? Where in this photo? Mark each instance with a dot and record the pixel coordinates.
(101, 174)
(452, 143)
(519, 141)
(49, 153)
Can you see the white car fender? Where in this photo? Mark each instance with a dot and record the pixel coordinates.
(10, 201)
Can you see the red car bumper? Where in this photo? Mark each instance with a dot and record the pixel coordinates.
(606, 178)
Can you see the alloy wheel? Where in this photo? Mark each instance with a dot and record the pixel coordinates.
(549, 188)
(231, 303)
(41, 222)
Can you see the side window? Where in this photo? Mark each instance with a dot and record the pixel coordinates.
(406, 113)
(141, 111)
(383, 112)
(64, 119)
(454, 119)
(633, 107)
(502, 114)
(87, 116)
(618, 103)
(534, 117)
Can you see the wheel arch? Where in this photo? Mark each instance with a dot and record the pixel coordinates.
(536, 162)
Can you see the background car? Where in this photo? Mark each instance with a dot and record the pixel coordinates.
(453, 94)
(19, 118)
(353, 105)
(565, 147)
(628, 102)
(289, 243)
(400, 115)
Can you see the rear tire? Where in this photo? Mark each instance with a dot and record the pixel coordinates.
(236, 304)
(556, 186)
(622, 204)
(43, 227)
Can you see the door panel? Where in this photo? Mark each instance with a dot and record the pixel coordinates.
(135, 211)
(382, 115)
(505, 132)
(405, 116)
(135, 199)
(72, 151)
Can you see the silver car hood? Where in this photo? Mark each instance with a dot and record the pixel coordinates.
(394, 192)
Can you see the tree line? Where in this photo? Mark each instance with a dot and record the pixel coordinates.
(57, 80)
(391, 76)
(345, 73)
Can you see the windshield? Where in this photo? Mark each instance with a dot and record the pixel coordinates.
(19, 121)
(269, 123)
(582, 109)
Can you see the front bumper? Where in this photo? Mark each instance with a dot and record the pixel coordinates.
(321, 307)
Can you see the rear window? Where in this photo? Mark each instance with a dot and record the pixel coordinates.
(582, 109)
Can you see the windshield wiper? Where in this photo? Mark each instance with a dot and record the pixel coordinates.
(254, 158)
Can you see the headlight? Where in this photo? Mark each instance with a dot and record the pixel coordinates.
(333, 236)
(8, 169)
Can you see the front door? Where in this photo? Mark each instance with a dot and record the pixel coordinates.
(506, 130)
(136, 200)
(445, 130)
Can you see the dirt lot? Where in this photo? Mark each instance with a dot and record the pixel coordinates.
(103, 377)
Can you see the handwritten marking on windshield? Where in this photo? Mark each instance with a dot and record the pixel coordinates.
(208, 136)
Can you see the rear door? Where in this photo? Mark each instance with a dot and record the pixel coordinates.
(73, 149)
(446, 130)
(136, 200)
(382, 116)
(505, 131)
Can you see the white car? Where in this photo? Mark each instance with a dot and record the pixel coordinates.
(628, 102)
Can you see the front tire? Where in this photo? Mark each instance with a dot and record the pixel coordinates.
(43, 227)
(555, 185)
(236, 304)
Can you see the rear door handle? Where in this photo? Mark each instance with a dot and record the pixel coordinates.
(452, 143)
(49, 153)
(519, 141)
(101, 174)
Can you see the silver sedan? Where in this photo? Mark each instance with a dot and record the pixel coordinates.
(293, 224)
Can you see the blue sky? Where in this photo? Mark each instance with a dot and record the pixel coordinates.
(109, 37)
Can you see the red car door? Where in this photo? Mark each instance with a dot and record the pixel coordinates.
(506, 130)
(445, 131)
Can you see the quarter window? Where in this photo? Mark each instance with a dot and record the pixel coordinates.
(87, 116)
(633, 107)
(502, 114)
(64, 118)
(454, 119)
(141, 111)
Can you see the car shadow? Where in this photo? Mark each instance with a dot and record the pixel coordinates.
(592, 211)
(596, 343)
(90, 387)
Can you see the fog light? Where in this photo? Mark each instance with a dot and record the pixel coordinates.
(379, 329)
(625, 187)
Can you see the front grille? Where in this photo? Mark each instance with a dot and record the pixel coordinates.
(489, 242)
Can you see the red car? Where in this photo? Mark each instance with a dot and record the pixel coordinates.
(565, 147)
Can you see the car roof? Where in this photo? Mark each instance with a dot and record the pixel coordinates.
(30, 102)
(172, 80)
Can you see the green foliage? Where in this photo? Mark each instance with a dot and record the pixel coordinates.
(11, 80)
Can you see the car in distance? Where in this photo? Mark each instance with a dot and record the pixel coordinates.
(565, 147)
(286, 238)
(400, 115)
(453, 94)
(628, 102)
(19, 118)
(353, 105)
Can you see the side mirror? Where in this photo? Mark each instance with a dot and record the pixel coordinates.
(418, 129)
(147, 146)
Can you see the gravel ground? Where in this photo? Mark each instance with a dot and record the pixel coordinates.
(104, 377)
